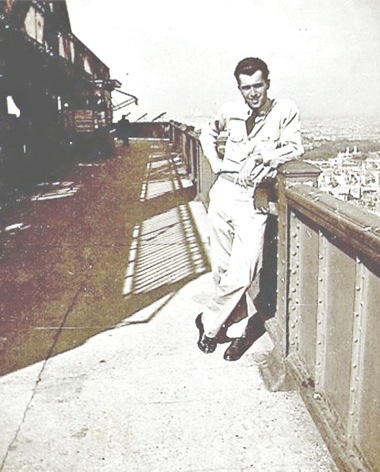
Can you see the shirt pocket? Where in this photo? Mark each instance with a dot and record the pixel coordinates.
(237, 130)
(267, 144)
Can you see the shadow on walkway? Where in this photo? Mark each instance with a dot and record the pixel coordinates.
(85, 252)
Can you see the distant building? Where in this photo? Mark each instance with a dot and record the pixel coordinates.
(352, 176)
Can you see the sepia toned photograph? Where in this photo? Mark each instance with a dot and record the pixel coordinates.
(189, 236)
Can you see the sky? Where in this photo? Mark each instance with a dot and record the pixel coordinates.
(178, 57)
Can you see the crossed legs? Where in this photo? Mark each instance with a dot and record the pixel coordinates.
(236, 240)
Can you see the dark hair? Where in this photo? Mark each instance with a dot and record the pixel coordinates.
(249, 66)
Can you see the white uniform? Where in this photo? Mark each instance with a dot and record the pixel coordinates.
(236, 227)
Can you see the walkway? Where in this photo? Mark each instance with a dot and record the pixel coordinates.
(102, 275)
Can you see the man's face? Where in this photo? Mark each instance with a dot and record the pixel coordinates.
(254, 89)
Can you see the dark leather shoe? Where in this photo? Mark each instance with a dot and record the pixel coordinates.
(255, 329)
(237, 348)
(205, 344)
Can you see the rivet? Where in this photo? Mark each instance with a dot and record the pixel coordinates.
(357, 288)
(356, 340)
(321, 257)
(354, 366)
(294, 253)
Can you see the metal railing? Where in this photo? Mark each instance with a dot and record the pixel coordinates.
(185, 141)
(149, 130)
(327, 316)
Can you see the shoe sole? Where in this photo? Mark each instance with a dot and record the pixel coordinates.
(202, 347)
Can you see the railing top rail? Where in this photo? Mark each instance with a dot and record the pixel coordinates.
(354, 226)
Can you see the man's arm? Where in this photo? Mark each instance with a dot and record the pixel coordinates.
(290, 146)
(208, 139)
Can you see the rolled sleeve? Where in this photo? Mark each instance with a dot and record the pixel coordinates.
(208, 139)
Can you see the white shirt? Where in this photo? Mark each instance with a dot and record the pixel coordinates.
(276, 136)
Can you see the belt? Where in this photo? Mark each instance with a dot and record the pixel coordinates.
(232, 177)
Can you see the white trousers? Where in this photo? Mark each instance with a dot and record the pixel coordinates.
(236, 243)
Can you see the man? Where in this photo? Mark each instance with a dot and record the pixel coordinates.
(123, 130)
(261, 134)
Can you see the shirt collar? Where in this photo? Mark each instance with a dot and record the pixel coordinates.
(267, 107)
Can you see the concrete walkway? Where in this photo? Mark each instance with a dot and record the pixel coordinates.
(116, 381)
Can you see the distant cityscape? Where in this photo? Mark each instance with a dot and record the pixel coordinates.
(348, 153)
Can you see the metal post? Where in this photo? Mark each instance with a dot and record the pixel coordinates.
(289, 174)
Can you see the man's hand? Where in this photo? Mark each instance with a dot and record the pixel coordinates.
(251, 162)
